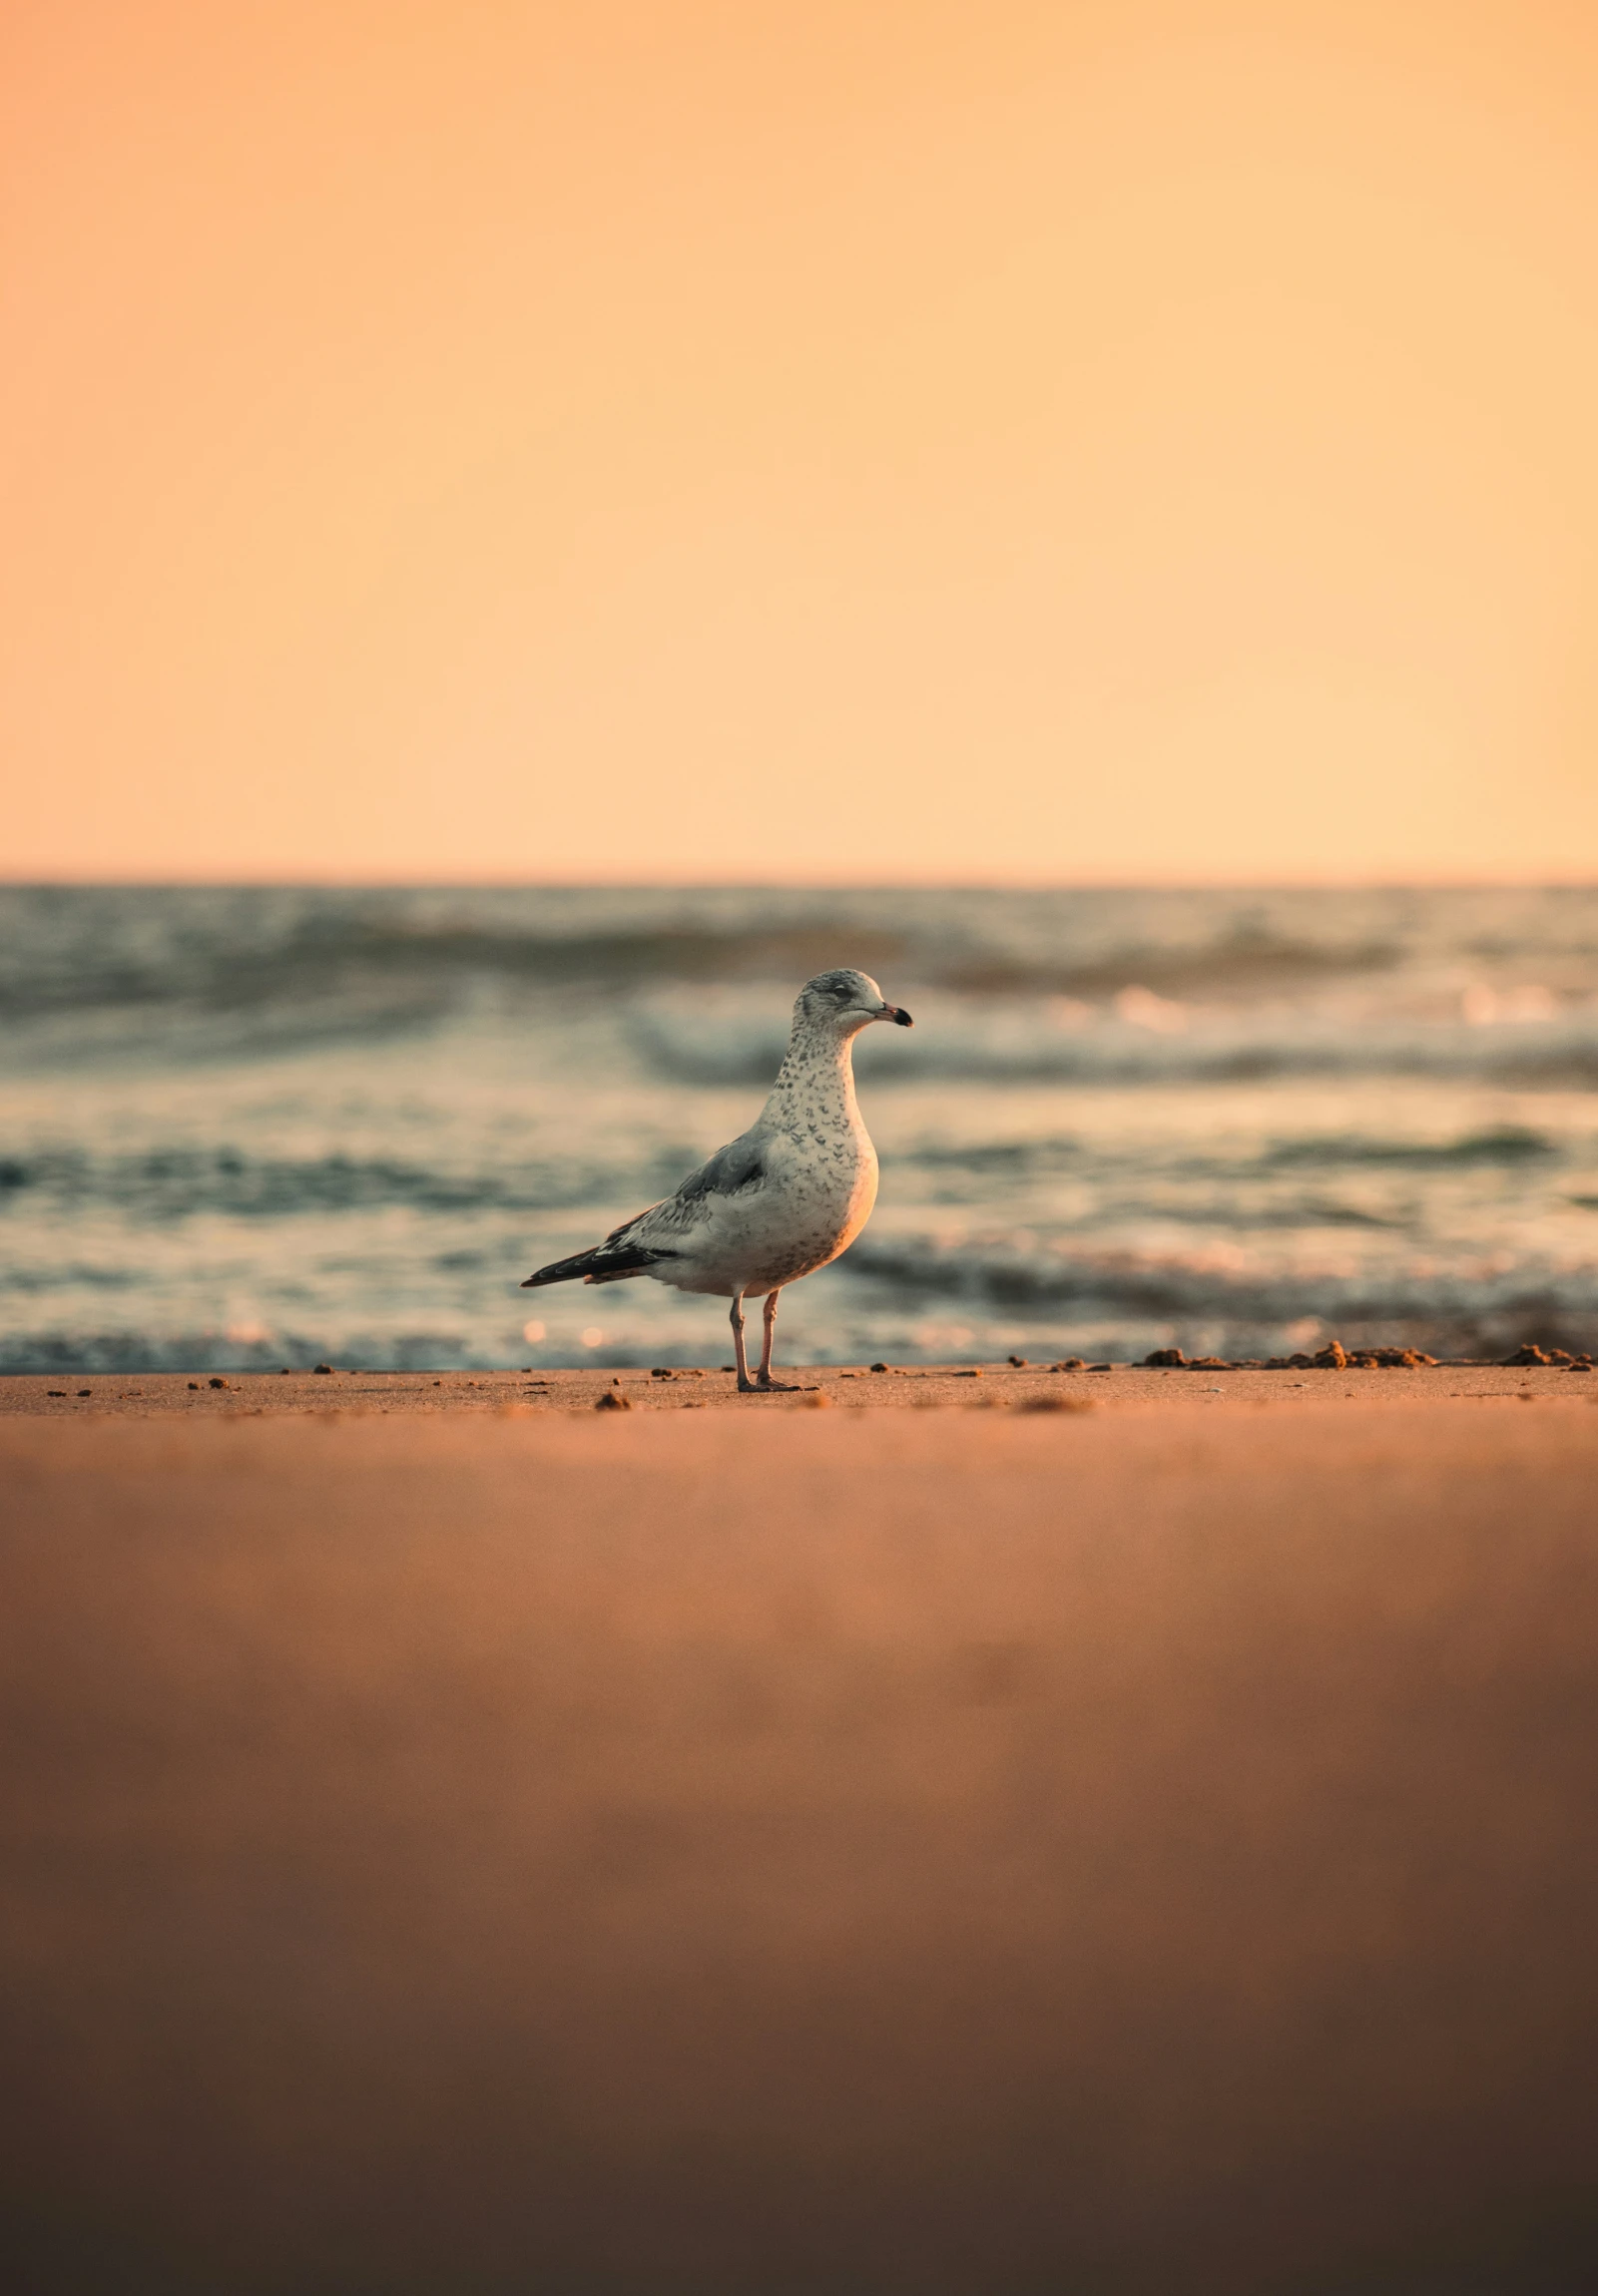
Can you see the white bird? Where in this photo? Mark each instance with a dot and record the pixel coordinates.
(780, 1201)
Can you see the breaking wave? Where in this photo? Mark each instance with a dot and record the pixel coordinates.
(1241, 1287)
(1096, 1048)
(244, 950)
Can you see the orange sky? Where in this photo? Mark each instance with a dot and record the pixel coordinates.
(800, 438)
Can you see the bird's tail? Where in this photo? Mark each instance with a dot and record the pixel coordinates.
(605, 1263)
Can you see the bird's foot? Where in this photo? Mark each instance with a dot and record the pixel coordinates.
(769, 1386)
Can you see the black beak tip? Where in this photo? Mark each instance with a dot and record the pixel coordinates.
(902, 1017)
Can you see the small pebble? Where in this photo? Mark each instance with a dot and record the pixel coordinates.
(325, 1368)
(218, 1383)
(611, 1401)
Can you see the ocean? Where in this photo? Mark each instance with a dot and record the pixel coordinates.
(249, 1127)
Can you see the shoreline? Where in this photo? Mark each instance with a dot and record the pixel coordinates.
(851, 1385)
(1030, 1387)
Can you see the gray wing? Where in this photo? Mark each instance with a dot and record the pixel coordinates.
(739, 1165)
(642, 1241)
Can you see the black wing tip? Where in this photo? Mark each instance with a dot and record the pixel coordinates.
(560, 1271)
(596, 1262)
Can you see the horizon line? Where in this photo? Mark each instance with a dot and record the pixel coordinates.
(225, 880)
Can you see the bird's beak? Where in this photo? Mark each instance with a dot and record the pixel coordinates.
(897, 1015)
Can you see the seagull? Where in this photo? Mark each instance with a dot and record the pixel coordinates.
(777, 1204)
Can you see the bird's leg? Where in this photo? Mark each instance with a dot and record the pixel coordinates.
(745, 1385)
(767, 1334)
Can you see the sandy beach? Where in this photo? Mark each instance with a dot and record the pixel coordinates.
(508, 1845)
(1031, 1386)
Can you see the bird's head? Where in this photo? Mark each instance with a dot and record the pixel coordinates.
(844, 1001)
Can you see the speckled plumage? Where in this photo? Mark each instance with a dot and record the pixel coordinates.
(782, 1199)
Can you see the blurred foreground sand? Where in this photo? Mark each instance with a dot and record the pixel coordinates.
(1143, 1849)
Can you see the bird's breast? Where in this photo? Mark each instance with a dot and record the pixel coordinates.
(819, 1199)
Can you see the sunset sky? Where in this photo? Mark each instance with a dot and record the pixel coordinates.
(873, 439)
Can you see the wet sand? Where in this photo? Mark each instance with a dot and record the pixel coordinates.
(854, 1387)
(501, 1845)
